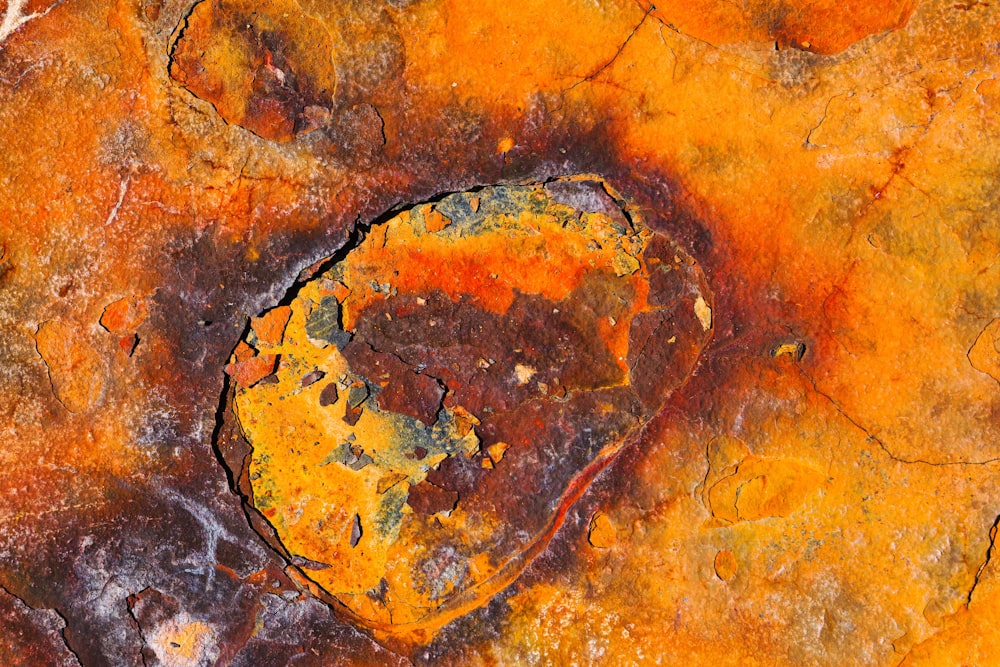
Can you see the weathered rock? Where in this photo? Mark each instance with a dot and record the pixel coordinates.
(579, 355)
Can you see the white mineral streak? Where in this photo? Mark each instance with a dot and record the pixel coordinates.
(15, 17)
(704, 312)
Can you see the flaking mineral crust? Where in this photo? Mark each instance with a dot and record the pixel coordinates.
(411, 428)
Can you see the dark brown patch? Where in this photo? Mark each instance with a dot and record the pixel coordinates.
(329, 395)
(654, 366)
(428, 498)
(403, 389)
(312, 378)
(531, 334)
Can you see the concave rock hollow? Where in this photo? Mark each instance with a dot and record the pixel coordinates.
(411, 428)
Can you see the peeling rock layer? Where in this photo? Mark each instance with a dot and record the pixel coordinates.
(444, 391)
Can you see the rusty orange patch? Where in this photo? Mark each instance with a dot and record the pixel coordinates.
(822, 26)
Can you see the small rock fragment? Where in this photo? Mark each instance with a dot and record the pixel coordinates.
(124, 316)
(602, 534)
(350, 456)
(307, 564)
(312, 378)
(625, 264)
(243, 352)
(329, 395)
(128, 343)
(464, 420)
(523, 374)
(352, 414)
(704, 312)
(496, 451)
(270, 327)
(251, 371)
(357, 394)
(793, 351)
(435, 221)
(356, 531)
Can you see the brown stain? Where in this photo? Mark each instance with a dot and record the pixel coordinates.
(259, 68)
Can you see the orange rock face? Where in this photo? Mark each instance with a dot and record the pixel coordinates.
(218, 220)
(821, 26)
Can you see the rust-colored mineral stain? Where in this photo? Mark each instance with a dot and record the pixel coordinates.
(821, 26)
(485, 357)
(266, 67)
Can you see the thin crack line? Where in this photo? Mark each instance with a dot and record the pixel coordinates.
(593, 75)
(65, 639)
(874, 438)
(62, 617)
(989, 557)
(122, 190)
(826, 110)
(130, 602)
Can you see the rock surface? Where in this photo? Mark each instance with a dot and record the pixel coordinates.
(821, 489)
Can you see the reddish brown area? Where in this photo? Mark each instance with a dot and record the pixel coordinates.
(31, 637)
(547, 341)
(329, 395)
(403, 389)
(429, 498)
(251, 371)
(267, 69)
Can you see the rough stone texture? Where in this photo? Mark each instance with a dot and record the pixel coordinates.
(839, 438)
